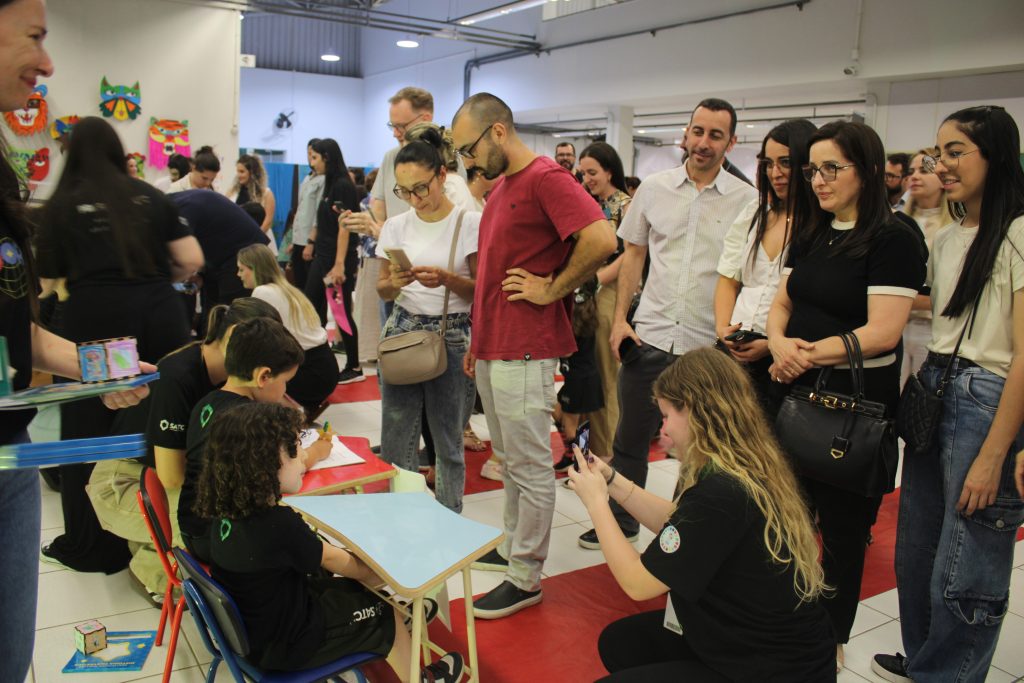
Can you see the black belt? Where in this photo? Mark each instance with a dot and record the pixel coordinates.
(942, 360)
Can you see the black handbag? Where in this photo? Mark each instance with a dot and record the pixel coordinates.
(919, 410)
(838, 439)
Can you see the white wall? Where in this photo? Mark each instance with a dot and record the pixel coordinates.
(135, 40)
(324, 106)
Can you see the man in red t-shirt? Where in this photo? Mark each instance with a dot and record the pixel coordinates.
(541, 235)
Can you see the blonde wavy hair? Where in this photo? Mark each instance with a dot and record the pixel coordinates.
(446, 148)
(729, 433)
(266, 271)
(910, 207)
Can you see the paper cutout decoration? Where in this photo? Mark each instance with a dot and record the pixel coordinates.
(140, 160)
(167, 137)
(62, 125)
(33, 166)
(30, 119)
(120, 101)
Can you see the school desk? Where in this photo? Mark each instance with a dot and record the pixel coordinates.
(346, 477)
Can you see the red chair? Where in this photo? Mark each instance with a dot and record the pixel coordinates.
(153, 503)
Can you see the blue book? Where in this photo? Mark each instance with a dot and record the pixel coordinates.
(72, 451)
(70, 391)
(135, 646)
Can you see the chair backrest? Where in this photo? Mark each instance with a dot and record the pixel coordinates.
(225, 621)
(154, 499)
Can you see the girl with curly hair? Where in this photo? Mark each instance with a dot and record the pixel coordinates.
(270, 561)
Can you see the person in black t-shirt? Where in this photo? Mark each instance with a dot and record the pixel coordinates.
(261, 358)
(335, 250)
(735, 551)
(270, 561)
(852, 267)
(186, 375)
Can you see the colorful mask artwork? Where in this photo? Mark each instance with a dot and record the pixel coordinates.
(34, 166)
(167, 137)
(120, 101)
(32, 118)
(62, 125)
(139, 160)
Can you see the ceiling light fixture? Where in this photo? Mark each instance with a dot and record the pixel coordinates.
(499, 11)
(330, 56)
(407, 43)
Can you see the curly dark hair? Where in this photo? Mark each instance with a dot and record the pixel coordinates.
(242, 458)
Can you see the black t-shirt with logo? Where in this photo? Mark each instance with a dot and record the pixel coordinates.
(15, 326)
(738, 609)
(263, 561)
(203, 416)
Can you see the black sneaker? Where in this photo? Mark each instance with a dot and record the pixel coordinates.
(566, 462)
(588, 539)
(348, 376)
(448, 669)
(505, 600)
(46, 555)
(891, 668)
(491, 562)
(429, 612)
(337, 347)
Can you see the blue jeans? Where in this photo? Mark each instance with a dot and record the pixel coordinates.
(953, 571)
(19, 566)
(447, 400)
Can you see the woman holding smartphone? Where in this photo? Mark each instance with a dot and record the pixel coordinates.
(425, 235)
(756, 247)
(959, 510)
(735, 551)
(852, 267)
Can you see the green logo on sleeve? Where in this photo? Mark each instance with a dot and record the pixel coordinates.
(225, 529)
(205, 414)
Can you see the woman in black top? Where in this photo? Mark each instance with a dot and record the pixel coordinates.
(735, 551)
(335, 250)
(852, 267)
(117, 243)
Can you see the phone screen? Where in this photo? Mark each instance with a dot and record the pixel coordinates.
(582, 441)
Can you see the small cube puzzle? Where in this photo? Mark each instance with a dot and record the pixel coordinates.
(90, 637)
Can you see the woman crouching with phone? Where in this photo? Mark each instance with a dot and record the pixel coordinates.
(735, 551)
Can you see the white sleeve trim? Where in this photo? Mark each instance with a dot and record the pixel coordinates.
(892, 291)
(787, 270)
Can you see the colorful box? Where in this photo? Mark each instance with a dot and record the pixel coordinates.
(108, 359)
(90, 637)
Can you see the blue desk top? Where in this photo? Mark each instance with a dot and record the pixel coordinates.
(410, 539)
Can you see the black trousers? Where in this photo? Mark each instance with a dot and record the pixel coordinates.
(640, 649)
(316, 292)
(300, 266)
(316, 378)
(639, 418)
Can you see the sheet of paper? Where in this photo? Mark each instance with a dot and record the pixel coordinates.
(340, 455)
(113, 651)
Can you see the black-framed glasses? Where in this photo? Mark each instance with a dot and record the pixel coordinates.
(421, 190)
(950, 159)
(769, 164)
(894, 176)
(402, 127)
(468, 152)
(829, 171)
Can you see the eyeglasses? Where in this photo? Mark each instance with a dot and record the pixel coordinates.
(894, 176)
(828, 170)
(402, 127)
(421, 190)
(769, 165)
(950, 159)
(468, 152)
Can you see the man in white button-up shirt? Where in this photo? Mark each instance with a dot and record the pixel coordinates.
(679, 217)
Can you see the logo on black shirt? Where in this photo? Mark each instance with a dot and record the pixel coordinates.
(166, 426)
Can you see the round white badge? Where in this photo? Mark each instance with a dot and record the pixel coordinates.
(669, 539)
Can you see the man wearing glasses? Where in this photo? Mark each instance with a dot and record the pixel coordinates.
(541, 236)
(897, 178)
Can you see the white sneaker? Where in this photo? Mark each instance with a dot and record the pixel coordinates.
(493, 470)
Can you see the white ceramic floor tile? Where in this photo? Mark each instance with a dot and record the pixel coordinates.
(1009, 654)
(55, 646)
(867, 619)
(887, 603)
(999, 676)
(569, 504)
(192, 674)
(1017, 592)
(53, 516)
(861, 648)
(662, 483)
(69, 597)
(847, 676)
(566, 555)
(490, 510)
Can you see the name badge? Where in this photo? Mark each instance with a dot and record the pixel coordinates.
(671, 620)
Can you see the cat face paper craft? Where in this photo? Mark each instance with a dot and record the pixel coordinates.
(167, 137)
(120, 101)
(32, 118)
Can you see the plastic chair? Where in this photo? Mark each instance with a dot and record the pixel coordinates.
(153, 503)
(223, 632)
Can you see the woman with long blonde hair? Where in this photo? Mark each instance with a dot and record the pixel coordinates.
(251, 186)
(318, 375)
(735, 550)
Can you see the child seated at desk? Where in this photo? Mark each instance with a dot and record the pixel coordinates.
(261, 358)
(270, 561)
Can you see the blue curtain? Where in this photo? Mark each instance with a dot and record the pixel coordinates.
(279, 178)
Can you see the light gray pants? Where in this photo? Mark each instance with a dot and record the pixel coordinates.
(518, 397)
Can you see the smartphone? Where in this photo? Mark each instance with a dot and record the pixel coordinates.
(743, 336)
(399, 258)
(625, 346)
(582, 441)
(339, 207)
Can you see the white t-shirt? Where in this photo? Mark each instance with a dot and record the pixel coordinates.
(428, 244)
(759, 277)
(308, 336)
(990, 343)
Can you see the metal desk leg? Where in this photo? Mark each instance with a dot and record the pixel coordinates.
(467, 587)
(417, 635)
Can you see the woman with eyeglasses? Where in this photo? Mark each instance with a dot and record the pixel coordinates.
(755, 249)
(426, 236)
(928, 206)
(959, 510)
(852, 267)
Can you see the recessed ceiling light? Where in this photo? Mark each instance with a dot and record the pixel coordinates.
(750, 125)
(330, 56)
(407, 43)
(641, 131)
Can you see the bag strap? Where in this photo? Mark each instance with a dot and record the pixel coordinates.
(857, 363)
(969, 323)
(451, 269)
(851, 359)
